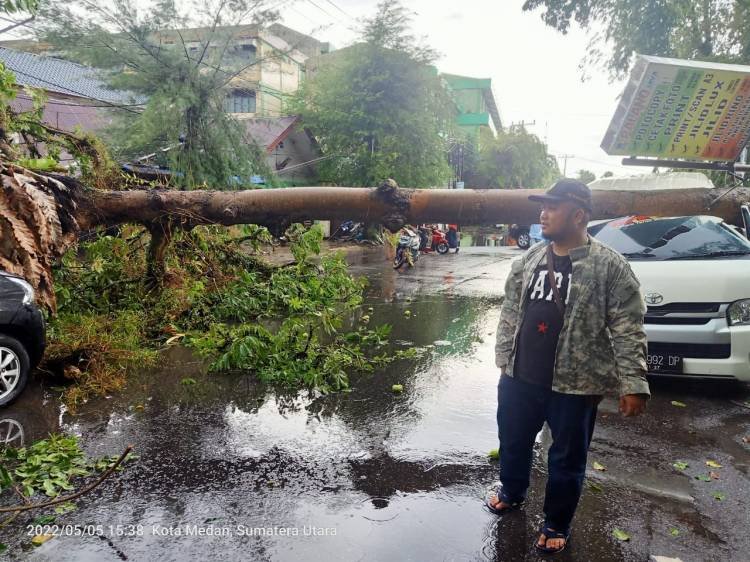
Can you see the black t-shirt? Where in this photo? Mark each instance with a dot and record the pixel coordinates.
(541, 324)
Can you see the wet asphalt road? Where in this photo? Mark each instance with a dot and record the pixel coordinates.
(371, 475)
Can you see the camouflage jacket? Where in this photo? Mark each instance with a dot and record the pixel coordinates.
(602, 345)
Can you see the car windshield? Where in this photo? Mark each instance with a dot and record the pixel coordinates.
(646, 238)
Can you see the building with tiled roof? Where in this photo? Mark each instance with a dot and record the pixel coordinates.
(77, 96)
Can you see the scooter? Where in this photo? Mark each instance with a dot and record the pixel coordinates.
(433, 240)
(439, 241)
(407, 250)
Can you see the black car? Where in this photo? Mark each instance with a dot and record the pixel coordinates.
(22, 336)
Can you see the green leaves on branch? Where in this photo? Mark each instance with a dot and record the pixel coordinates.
(289, 325)
(707, 30)
(177, 84)
(16, 6)
(239, 326)
(49, 466)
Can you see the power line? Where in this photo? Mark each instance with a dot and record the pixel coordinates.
(339, 9)
(325, 11)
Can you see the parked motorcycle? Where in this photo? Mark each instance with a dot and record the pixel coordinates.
(432, 239)
(407, 250)
(439, 241)
(349, 230)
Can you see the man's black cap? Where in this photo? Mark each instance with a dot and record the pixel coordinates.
(566, 189)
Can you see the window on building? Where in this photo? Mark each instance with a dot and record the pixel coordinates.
(248, 52)
(240, 101)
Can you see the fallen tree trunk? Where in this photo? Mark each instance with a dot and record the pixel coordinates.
(388, 205)
(42, 215)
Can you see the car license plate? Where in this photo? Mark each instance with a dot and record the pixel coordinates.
(659, 362)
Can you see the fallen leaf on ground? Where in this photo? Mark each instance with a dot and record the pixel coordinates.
(38, 540)
(674, 532)
(174, 339)
(714, 475)
(679, 465)
(596, 487)
(65, 508)
(713, 464)
(494, 454)
(397, 388)
(746, 439)
(678, 404)
(598, 466)
(719, 496)
(703, 478)
(620, 535)
(188, 381)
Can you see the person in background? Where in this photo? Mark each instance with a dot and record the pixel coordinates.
(425, 237)
(454, 239)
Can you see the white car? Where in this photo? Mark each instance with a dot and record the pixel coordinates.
(695, 278)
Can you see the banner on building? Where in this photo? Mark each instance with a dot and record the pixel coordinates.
(679, 109)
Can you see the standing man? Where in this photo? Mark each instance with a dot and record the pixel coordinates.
(571, 331)
(454, 240)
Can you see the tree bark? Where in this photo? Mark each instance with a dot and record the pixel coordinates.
(42, 215)
(161, 237)
(467, 206)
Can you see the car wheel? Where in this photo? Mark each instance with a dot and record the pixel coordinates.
(14, 369)
(12, 433)
(524, 241)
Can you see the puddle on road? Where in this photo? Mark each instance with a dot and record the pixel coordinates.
(366, 474)
(388, 472)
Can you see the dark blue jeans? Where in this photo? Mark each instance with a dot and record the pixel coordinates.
(522, 409)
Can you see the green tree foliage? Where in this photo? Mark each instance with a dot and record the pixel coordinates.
(703, 29)
(183, 79)
(378, 108)
(586, 176)
(515, 158)
(16, 6)
(291, 325)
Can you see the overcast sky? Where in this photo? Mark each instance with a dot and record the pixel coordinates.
(534, 69)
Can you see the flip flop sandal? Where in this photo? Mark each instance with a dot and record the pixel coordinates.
(513, 506)
(550, 534)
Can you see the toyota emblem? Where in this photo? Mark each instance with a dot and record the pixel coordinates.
(654, 298)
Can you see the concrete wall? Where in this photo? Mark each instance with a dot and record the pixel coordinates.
(294, 150)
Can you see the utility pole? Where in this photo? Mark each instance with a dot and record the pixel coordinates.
(564, 158)
(522, 123)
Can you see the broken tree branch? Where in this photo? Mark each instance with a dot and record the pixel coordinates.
(71, 497)
(41, 215)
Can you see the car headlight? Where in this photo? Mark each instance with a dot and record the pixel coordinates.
(28, 290)
(739, 312)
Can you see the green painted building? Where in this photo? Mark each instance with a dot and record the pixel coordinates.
(475, 103)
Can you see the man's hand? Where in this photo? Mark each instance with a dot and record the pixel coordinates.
(632, 404)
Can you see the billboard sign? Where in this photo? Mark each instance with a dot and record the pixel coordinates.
(679, 109)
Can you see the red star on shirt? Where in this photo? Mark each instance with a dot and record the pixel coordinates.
(542, 327)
